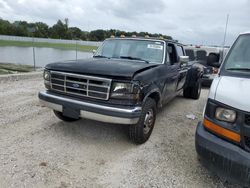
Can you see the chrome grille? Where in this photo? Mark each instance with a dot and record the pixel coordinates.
(80, 85)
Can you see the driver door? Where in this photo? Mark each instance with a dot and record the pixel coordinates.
(172, 72)
(182, 68)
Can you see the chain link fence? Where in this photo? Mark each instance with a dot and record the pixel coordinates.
(48, 40)
(38, 52)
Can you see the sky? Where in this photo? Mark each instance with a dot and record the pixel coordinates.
(189, 21)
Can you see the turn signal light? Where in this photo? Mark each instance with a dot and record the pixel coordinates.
(221, 131)
(215, 70)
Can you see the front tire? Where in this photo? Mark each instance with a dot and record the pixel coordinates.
(140, 132)
(64, 118)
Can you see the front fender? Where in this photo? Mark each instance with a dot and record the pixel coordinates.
(152, 90)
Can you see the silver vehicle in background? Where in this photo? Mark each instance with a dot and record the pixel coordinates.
(209, 57)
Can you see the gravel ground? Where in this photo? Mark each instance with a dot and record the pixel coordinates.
(38, 150)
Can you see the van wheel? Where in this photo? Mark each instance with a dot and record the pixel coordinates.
(194, 91)
(64, 118)
(140, 132)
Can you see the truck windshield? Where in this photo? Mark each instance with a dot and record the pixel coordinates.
(238, 59)
(148, 51)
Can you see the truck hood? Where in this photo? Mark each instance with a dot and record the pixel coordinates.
(103, 67)
(232, 91)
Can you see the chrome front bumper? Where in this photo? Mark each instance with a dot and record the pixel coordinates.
(103, 113)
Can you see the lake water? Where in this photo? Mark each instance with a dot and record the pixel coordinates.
(43, 56)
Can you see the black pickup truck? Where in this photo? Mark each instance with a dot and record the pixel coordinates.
(124, 83)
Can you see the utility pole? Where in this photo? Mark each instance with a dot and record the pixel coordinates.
(225, 34)
(76, 49)
(34, 55)
(32, 30)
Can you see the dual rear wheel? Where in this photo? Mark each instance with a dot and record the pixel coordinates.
(194, 91)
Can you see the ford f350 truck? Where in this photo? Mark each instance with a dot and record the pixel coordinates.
(124, 83)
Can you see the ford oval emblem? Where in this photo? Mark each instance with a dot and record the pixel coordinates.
(75, 85)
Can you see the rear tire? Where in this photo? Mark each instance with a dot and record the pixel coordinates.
(194, 91)
(140, 132)
(187, 92)
(64, 118)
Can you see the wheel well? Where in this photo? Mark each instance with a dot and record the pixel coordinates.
(156, 97)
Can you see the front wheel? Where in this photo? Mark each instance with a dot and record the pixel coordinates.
(140, 132)
(64, 118)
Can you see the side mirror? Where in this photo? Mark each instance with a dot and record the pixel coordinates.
(184, 59)
(93, 51)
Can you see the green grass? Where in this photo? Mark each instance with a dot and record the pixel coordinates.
(83, 48)
(10, 68)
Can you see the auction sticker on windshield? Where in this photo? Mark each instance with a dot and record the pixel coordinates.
(155, 46)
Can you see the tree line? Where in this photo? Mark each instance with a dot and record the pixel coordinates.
(61, 30)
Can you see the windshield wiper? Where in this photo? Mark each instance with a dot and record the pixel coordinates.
(239, 69)
(100, 56)
(133, 58)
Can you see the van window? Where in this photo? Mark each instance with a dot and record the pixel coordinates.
(190, 53)
(238, 58)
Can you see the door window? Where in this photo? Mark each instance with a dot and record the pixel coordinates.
(172, 54)
(180, 51)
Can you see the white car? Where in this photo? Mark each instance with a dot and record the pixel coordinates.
(223, 137)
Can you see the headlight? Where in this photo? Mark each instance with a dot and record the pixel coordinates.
(122, 88)
(124, 91)
(46, 75)
(226, 115)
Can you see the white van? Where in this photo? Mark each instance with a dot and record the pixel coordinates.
(223, 137)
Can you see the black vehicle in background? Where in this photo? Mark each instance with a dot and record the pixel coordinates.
(124, 83)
